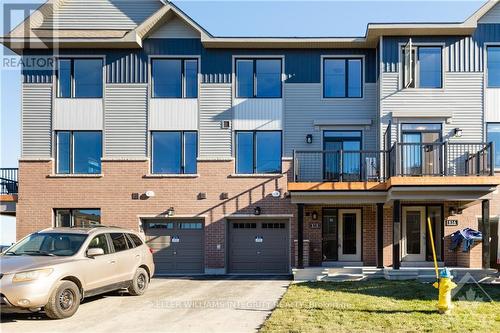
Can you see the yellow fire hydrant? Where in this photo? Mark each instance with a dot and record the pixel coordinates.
(445, 286)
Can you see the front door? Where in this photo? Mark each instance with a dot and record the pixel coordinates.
(414, 235)
(422, 149)
(330, 235)
(349, 235)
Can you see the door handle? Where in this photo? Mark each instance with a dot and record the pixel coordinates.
(112, 261)
(137, 256)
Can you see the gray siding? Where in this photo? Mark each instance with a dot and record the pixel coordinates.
(101, 14)
(36, 121)
(461, 98)
(214, 106)
(493, 16)
(125, 120)
(303, 105)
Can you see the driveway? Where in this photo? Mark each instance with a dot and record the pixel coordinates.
(225, 304)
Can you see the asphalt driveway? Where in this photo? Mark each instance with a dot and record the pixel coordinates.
(170, 305)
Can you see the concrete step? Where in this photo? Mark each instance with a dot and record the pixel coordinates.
(344, 270)
(343, 264)
(308, 274)
(401, 274)
(415, 264)
(344, 278)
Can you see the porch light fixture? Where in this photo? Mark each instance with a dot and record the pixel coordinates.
(257, 210)
(314, 215)
(309, 138)
(170, 212)
(457, 132)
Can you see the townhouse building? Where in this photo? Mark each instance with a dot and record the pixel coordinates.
(257, 155)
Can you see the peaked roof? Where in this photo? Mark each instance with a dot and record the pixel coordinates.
(18, 40)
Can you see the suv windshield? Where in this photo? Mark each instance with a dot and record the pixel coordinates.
(48, 244)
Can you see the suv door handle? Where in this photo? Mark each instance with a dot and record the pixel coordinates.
(112, 261)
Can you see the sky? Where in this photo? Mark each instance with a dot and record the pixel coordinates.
(241, 18)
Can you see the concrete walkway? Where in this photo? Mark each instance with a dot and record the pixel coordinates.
(170, 305)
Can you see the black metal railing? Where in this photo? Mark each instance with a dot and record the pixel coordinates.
(341, 166)
(401, 159)
(8, 181)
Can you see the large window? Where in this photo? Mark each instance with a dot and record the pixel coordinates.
(79, 78)
(174, 152)
(258, 152)
(424, 72)
(77, 217)
(493, 132)
(79, 152)
(260, 78)
(342, 78)
(174, 78)
(493, 66)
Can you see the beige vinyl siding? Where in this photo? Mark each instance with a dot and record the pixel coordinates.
(215, 106)
(304, 106)
(101, 14)
(458, 104)
(36, 120)
(125, 120)
(175, 28)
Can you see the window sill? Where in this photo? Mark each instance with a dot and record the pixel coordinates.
(79, 175)
(256, 175)
(174, 175)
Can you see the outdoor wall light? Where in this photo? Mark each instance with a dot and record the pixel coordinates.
(452, 211)
(170, 211)
(309, 138)
(314, 215)
(257, 211)
(457, 132)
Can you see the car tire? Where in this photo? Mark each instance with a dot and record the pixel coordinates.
(139, 283)
(64, 300)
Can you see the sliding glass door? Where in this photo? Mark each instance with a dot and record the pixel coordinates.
(346, 165)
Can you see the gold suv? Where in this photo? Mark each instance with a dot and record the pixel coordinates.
(55, 269)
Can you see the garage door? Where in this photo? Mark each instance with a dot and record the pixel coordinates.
(258, 247)
(177, 245)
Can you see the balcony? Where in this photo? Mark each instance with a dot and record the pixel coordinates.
(8, 181)
(401, 160)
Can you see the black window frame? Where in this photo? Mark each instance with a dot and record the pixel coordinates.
(71, 213)
(72, 77)
(254, 66)
(183, 76)
(182, 151)
(416, 66)
(494, 123)
(72, 150)
(346, 89)
(254, 156)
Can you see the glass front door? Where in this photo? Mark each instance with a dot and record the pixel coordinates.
(330, 242)
(345, 166)
(350, 235)
(414, 235)
(422, 149)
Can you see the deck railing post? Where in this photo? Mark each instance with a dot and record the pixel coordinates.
(445, 159)
(492, 158)
(341, 166)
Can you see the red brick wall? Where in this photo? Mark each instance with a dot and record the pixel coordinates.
(40, 194)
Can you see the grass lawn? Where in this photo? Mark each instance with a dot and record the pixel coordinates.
(381, 305)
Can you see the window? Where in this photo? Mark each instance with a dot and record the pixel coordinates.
(130, 244)
(77, 217)
(100, 242)
(79, 78)
(174, 152)
(174, 78)
(192, 225)
(258, 152)
(119, 242)
(342, 78)
(48, 244)
(242, 225)
(426, 71)
(493, 133)
(260, 78)
(493, 66)
(137, 241)
(79, 152)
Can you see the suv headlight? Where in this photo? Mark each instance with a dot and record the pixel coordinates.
(31, 275)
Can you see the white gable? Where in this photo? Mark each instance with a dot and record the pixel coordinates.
(492, 16)
(175, 27)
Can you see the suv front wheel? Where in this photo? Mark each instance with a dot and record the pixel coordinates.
(64, 300)
(139, 283)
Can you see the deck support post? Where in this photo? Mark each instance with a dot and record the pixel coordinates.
(380, 235)
(396, 234)
(300, 235)
(485, 230)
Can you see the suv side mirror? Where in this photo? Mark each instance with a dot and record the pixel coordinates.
(94, 252)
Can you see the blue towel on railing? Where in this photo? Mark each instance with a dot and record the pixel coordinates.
(466, 237)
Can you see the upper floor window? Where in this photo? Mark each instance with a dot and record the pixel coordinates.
(77, 217)
(260, 78)
(174, 78)
(174, 152)
(493, 66)
(342, 78)
(493, 133)
(79, 78)
(426, 71)
(79, 152)
(258, 152)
